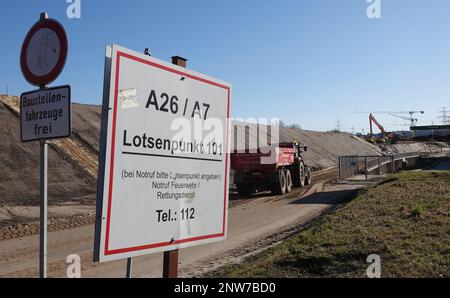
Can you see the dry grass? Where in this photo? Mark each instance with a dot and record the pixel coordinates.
(405, 220)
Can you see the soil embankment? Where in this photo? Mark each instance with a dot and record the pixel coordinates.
(73, 165)
(73, 162)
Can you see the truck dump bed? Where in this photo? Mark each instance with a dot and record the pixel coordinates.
(266, 162)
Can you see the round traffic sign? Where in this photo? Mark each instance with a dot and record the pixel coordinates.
(44, 52)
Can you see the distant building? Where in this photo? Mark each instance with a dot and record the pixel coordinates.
(432, 132)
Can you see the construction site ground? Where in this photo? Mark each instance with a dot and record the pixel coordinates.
(255, 222)
(251, 230)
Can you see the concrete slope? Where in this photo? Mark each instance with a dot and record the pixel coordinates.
(429, 147)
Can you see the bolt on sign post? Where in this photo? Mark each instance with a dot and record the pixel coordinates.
(164, 163)
(45, 113)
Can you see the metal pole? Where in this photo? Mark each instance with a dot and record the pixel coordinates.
(365, 165)
(340, 167)
(357, 165)
(170, 264)
(392, 164)
(129, 267)
(43, 190)
(379, 165)
(43, 212)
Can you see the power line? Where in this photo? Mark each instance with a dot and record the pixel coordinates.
(338, 125)
(444, 116)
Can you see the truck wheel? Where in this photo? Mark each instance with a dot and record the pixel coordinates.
(298, 176)
(278, 186)
(244, 189)
(295, 174)
(308, 177)
(288, 181)
(302, 175)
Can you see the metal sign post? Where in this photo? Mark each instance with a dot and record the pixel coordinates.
(43, 187)
(43, 212)
(170, 264)
(43, 201)
(129, 268)
(42, 58)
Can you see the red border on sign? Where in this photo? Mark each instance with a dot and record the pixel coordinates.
(56, 71)
(113, 141)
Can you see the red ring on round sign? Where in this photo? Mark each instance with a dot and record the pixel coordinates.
(56, 71)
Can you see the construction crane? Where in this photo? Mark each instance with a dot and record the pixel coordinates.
(397, 114)
(413, 120)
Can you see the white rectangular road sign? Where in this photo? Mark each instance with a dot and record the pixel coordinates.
(163, 177)
(45, 114)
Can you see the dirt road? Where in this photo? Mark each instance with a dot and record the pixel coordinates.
(251, 223)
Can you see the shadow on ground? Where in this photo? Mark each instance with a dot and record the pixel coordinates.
(332, 197)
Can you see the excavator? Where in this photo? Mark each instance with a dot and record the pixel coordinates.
(384, 139)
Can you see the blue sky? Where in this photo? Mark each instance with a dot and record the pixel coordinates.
(311, 62)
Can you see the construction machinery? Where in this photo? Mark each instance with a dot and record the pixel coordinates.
(373, 120)
(398, 114)
(277, 168)
(410, 118)
(384, 138)
(413, 120)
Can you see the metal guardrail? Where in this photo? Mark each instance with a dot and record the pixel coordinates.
(350, 166)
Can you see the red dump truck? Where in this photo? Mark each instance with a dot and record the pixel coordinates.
(277, 169)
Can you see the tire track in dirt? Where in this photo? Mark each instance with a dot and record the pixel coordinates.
(319, 176)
